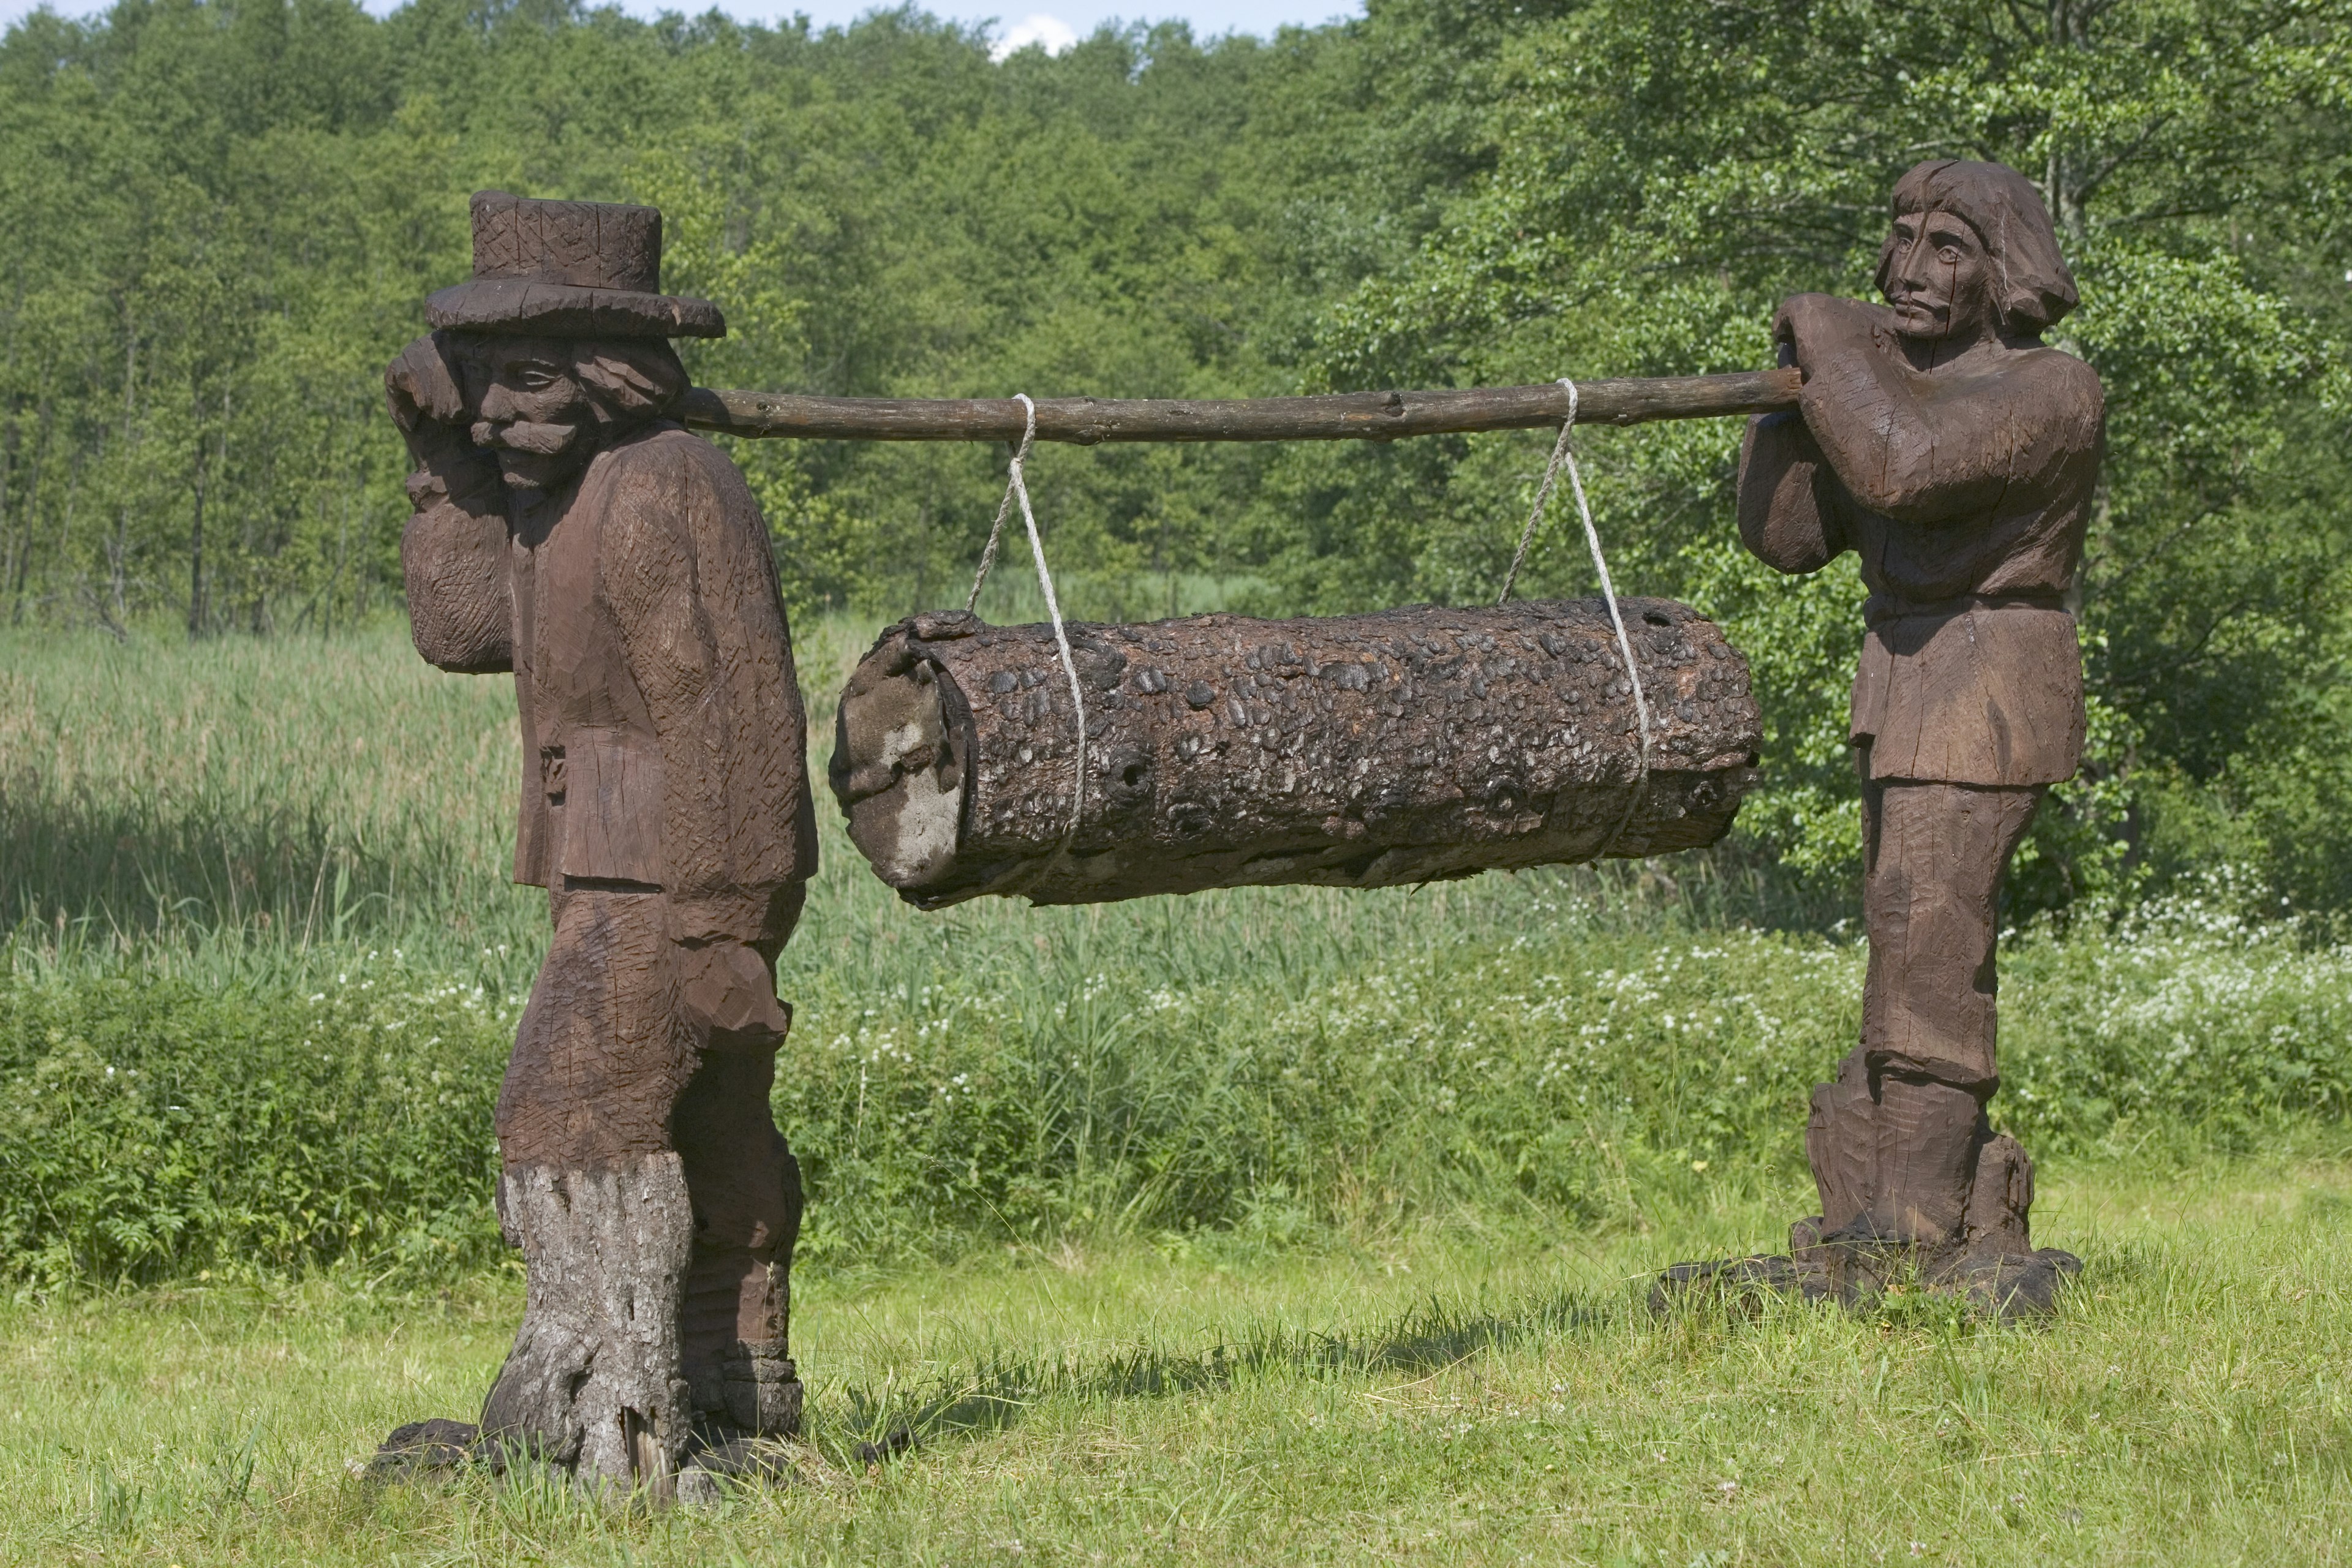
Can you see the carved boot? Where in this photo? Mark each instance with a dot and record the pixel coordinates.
(1997, 1265)
(746, 1186)
(1920, 1140)
(738, 1357)
(1842, 1147)
(1914, 1186)
(1945, 1204)
(592, 1382)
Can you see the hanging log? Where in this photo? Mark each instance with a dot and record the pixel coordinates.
(1337, 416)
(1409, 746)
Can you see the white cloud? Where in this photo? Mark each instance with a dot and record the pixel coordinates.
(1051, 32)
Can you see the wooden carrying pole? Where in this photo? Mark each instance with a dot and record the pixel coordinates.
(1344, 417)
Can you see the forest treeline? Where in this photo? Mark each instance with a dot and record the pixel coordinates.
(219, 219)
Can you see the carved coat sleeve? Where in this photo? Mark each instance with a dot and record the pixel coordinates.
(1944, 449)
(1789, 504)
(687, 572)
(453, 556)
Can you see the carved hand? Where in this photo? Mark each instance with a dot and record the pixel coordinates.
(427, 400)
(1812, 326)
(727, 988)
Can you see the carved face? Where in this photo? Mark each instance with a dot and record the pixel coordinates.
(1939, 279)
(533, 409)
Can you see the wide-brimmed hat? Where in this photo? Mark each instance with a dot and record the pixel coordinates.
(568, 270)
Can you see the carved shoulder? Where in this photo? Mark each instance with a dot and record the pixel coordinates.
(2070, 389)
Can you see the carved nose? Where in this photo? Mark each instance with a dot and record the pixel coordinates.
(1912, 270)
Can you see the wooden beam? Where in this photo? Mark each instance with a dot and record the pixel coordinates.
(1344, 417)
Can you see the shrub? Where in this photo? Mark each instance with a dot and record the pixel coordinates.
(1569, 1077)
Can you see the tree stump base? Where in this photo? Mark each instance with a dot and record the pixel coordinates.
(593, 1383)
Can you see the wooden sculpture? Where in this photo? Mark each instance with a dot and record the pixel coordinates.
(568, 529)
(1940, 441)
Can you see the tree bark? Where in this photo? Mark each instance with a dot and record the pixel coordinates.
(592, 1384)
(1409, 746)
(1344, 417)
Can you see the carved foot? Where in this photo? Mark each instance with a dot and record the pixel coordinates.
(2012, 1286)
(419, 1450)
(1856, 1270)
(1739, 1284)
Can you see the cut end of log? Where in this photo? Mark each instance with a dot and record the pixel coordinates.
(904, 795)
(1409, 746)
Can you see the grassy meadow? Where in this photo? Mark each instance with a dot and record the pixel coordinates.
(1439, 1392)
(1269, 1221)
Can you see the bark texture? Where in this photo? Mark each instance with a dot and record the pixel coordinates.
(592, 1384)
(1365, 750)
(1339, 416)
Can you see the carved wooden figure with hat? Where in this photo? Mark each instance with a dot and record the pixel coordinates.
(568, 529)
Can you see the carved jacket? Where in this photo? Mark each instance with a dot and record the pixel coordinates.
(1965, 494)
(663, 741)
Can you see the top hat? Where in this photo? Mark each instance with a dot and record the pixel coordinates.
(568, 270)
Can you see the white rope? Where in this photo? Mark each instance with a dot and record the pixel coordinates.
(1562, 453)
(1559, 453)
(1016, 487)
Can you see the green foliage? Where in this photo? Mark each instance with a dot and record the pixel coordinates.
(161, 1130)
(218, 218)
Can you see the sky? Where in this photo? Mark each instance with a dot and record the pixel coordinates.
(1052, 23)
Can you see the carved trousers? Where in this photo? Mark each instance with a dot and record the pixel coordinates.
(1933, 857)
(608, 1068)
(1895, 1140)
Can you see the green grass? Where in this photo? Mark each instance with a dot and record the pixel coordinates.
(1434, 1392)
(1272, 1223)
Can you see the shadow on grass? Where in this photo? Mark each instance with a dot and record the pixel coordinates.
(999, 1393)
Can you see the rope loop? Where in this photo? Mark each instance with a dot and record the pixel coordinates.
(1563, 454)
(1014, 484)
(1016, 488)
(1559, 453)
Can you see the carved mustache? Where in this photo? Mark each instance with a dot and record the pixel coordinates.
(523, 436)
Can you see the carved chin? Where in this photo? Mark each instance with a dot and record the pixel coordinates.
(537, 471)
(1927, 322)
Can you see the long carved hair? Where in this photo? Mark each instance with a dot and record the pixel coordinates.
(2032, 288)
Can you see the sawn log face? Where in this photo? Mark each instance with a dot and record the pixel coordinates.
(1363, 751)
